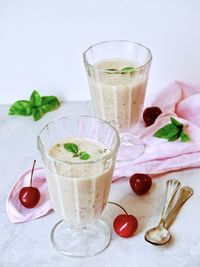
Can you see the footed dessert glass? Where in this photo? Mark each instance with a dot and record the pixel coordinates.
(118, 73)
(79, 189)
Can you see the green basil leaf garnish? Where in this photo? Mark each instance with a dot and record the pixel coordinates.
(74, 149)
(112, 71)
(127, 70)
(71, 147)
(84, 156)
(121, 71)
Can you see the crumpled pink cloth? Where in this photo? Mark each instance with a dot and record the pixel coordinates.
(179, 99)
(18, 213)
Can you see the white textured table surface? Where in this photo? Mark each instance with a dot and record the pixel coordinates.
(28, 244)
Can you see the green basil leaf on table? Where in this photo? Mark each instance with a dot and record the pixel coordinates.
(50, 103)
(21, 107)
(35, 99)
(37, 113)
(37, 106)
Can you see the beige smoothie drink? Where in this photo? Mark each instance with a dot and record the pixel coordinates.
(117, 95)
(79, 192)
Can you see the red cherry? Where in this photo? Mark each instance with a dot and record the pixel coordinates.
(29, 196)
(140, 183)
(151, 114)
(125, 225)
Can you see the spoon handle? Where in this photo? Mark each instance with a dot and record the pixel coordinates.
(185, 193)
(172, 187)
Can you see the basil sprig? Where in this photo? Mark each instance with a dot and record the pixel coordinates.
(173, 132)
(74, 149)
(121, 71)
(37, 106)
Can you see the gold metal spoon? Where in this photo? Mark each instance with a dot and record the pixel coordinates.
(160, 234)
(184, 194)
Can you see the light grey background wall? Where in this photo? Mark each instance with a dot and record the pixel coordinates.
(41, 42)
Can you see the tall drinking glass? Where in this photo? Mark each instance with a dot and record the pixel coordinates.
(79, 189)
(118, 72)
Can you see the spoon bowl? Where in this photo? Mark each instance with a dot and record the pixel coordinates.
(158, 235)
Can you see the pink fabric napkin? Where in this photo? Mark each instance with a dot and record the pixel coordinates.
(18, 213)
(179, 99)
(182, 101)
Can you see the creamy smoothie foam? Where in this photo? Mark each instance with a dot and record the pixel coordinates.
(118, 98)
(79, 192)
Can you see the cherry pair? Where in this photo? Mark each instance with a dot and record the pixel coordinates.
(125, 225)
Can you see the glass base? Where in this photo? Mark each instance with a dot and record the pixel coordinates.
(84, 242)
(131, 147)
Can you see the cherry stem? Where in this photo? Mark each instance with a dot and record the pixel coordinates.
(32, 172)
(110, 202)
